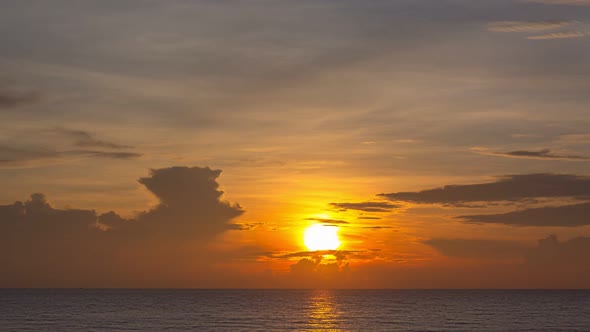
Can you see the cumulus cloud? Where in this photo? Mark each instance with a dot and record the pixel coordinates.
(506, 188)
(540, 154)
(366, 206)
(559, 216)
(476, 248)
(40, 243)
(558, 35)
(526, 26)
(13, 98)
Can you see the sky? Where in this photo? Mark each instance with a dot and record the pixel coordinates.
(189, 144)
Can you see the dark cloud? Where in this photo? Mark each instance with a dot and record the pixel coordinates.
(85, 139)
(318, 273)
(550, 252)
(541, 154)
(329, 221)
(474, 248)
(245, 226)
(366, 206)
(507, 188)
(560, 216)
(81, 246)
(105, 154)
(9, 98)
(377, 227)
(368, 218)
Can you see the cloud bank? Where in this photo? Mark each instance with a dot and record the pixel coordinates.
(41, 244)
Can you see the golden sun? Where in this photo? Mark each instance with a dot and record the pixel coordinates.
(320, 237)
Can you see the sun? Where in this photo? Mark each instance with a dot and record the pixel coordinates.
(321, 237)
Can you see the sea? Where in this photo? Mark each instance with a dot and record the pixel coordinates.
(293, 310)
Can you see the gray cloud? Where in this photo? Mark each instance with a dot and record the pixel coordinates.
(366, 206)
(526, 26)
(475, 248)
(85, 139)
(541, 154)
(506, 188)
(10, 98)
(560, 216)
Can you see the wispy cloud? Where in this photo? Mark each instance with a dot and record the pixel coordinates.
(526, 26)
(543, 154)
(366, 206)
(328, 221)
(563, 2)
(85, 139)
(104, 154)
(13, 98)
(559, 35)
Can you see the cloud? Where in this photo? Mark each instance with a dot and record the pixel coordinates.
(85, 139)
(17, 156)
(340, 254)
(506, 188)
(560, 216)
(377, 227)
(563, 2)
(540, 154)
(550, 253)
(13, 98)
(476, 248)
(104, 154)
(81, 246)
(559, 35)
(329, 221)
(366, 206)
(526, 26)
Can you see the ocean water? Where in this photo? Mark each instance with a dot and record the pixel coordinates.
(294, 310)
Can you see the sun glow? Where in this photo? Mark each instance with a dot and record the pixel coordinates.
(321, 237)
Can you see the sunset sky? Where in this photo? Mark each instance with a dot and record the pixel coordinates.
(191, 143)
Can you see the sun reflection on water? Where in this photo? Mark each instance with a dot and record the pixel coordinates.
(323, 313)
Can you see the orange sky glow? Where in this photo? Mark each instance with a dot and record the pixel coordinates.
(180, 144)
